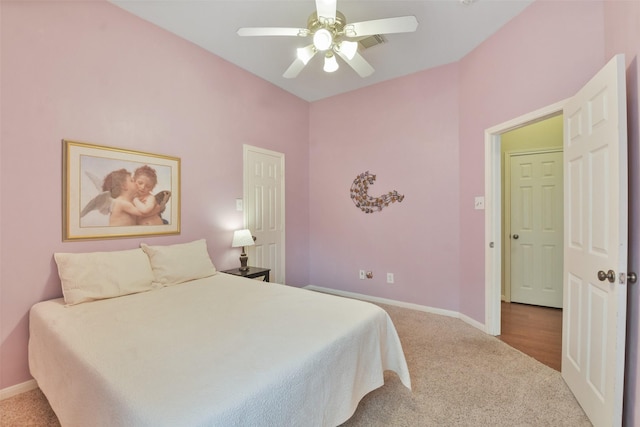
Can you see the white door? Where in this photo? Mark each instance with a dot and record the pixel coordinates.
(264, 209)
(536, 228)
(594, 316)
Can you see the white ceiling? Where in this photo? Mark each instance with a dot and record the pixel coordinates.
(447, 31)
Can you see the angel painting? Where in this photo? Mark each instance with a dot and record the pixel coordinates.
(111, 193)
(124, 199)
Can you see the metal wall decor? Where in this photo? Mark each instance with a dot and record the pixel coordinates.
(366, 203)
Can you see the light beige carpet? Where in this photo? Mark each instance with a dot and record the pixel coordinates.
(460, 377)
(463, 377)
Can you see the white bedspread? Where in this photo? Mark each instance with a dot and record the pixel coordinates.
(221, 351)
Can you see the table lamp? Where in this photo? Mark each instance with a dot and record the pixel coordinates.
(242, 238)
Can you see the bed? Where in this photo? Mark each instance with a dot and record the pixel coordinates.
(218, 350)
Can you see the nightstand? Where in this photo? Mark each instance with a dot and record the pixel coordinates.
(251, 273)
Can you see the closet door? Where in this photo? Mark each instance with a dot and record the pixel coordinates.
(264, 209)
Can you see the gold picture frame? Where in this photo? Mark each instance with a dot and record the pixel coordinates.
(101, 200)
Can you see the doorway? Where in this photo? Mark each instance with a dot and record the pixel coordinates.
(494, 230)
(532, 230)
(532, 212)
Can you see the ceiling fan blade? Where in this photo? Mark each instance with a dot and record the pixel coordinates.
(294, 69)
(303, 56)
(326, 9)
(306, 53)
(273, 31)
(358, 63)
(401, 24)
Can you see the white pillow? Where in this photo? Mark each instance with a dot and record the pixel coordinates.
(98, 275)
(179, 263)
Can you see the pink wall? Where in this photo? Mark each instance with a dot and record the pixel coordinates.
(406, 132)
(89, 71)
(622, 27)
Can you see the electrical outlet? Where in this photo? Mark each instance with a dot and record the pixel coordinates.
(389, 277)
(362, 277)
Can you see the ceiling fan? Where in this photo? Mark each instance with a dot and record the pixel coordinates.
(332, 35)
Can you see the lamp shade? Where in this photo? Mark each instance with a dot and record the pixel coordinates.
(330, 63)
(242, 238)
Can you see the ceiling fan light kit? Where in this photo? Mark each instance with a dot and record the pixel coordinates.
(322, 39)
(329, 31)
(330, 63)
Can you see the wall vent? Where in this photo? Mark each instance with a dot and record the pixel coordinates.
(371, 41)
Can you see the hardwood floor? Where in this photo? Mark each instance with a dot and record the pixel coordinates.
(534, 330)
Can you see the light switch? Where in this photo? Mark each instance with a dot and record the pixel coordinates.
(479, 203)
(239, 204)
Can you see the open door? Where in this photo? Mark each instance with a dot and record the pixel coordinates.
(595, 254)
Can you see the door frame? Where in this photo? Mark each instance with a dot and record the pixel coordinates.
(493, 206)
(506, 237)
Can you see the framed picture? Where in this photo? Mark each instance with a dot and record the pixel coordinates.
(112, 193)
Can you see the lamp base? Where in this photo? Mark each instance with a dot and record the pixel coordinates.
(243, 262)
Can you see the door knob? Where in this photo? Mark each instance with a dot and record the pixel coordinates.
(515, 236)
(609, 275)
(632, 277)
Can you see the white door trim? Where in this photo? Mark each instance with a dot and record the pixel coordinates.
(493, 206)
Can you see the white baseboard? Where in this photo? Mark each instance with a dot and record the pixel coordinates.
(14, 390)
(411, 306)
(468, 320)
